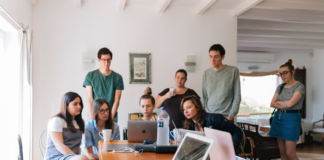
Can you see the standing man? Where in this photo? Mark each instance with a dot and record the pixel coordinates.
(221, 90)
(104, 83)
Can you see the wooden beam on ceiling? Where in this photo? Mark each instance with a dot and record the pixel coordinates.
(283, 15)
(253, 39)
(284, 34)
(34, 2)
(276, 25)
(78, 3)
(204, 5)
(301, 5)
(163, 5)
(244, 7)
(121, 5)
(278, 50)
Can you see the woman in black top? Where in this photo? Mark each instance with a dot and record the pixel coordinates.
(172, 102)
(197, 118)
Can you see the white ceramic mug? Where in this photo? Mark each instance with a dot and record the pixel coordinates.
(106, 134)
(173, 90)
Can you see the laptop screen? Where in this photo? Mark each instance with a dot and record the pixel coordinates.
(192, 149)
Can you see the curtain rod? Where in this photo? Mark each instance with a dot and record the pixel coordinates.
(3, 10)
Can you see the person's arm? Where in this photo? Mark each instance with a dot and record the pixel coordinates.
(274, 103)
(204, 96)
(116, 103)
(160, 99)
(293, 100)
(89, 101)
(90, 154)
(57, 138)
(237, 96)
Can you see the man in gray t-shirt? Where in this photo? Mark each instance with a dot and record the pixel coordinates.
(221, 90)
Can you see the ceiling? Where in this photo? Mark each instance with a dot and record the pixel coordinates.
(263, 25)
(282, 26)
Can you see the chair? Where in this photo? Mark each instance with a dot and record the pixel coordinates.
(132, 116)
(247, 150)
(20, 154)
(317, 130)
(265, 147)
(40, 143)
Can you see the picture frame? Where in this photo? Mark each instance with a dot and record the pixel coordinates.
(140, 68)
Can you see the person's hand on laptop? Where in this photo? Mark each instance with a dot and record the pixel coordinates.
(154, 118)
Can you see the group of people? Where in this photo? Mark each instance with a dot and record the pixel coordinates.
(216, 108)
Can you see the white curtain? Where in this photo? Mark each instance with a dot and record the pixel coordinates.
(26, 92)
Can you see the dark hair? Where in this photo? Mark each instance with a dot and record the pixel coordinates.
(289, 64)
(219, 48)
(181, 71)
(64, 113)
(201, 111)
(148, 95)
(104, 51)
(95, 109)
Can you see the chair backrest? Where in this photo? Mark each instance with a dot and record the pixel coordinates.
(132, 116)
(20, 154)
(40, 143)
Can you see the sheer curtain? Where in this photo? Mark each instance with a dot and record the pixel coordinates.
(26, 91)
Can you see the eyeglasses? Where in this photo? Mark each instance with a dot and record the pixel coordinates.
(283, 73)
(103, 111)
(105, 60)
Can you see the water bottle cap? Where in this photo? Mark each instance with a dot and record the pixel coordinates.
(163, 109)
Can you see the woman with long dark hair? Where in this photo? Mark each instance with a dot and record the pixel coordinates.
(197, 118)
(288, 100)
(101, 111)
(65, 130)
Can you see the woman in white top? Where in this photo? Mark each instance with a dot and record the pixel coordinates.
(65, 130)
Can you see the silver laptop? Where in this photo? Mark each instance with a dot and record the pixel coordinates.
(193, 147)
(138, 131)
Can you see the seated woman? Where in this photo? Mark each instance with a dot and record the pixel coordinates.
(65, 130)
(197, 118)
(147, 103)
(101, 112)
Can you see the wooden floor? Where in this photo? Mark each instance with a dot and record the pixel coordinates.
(316, 148)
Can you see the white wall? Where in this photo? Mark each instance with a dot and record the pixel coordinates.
(300, 60)
(62, 32)
(20, 10)
(318, 87)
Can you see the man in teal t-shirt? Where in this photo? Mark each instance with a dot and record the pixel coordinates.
(104, 83)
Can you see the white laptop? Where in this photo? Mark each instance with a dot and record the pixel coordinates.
(223, 145)
(193, 147)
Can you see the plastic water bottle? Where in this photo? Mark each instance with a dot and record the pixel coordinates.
(163, 128)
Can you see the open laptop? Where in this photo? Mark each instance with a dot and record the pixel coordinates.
(138, 131)
(193, 147)
(223, 145)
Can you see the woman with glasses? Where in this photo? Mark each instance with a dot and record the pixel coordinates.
(288, 100)
(197, 118)
(101, 112)
(65, 130)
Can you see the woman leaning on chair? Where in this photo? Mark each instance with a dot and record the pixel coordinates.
(288, 101)
(101, 111)
(196, 118)
(65, 130)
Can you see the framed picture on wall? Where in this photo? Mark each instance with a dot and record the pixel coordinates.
(140, 68)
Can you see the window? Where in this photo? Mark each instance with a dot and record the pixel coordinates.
(9, 92)
(257, 93)
(1, 42)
